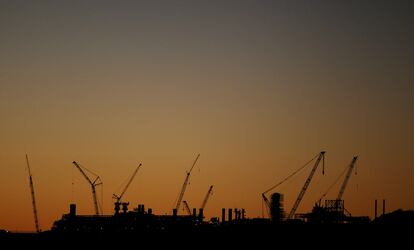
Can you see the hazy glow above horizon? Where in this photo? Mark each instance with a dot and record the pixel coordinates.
(256, 87)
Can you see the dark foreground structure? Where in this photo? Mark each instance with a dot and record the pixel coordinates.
(140, 229)
(232, 237)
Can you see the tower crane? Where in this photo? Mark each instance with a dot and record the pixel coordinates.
(187, 207)
(33, 196)
(119, 197)
(209, 193)
(307, 182)
(348, 174)
(181, 195)
(264, 197)
(96, 182)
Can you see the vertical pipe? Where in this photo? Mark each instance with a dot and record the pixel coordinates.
(383, 207)
(223, 215)
(194, 212)
(72, 209)
(230, 214)
(375, 209)
(201, 214)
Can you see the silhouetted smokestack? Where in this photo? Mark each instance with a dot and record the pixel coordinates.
(174, 212)
(200, 214)
(72, 210)
(223, 215)
(149, 211)
(236, 214)
(375, 209)
(194, 212)
(383, 207)
(243, 213)
(230, 214)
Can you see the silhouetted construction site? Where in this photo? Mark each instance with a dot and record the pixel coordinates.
(141, 219)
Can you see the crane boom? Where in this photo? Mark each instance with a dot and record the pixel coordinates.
(267, 203)
(209, 193)
(187, 207)
(307, 182)
(180, 197)
(266, 200)
(348, 174)
(93, 184)
(33, 196)
(119, 197)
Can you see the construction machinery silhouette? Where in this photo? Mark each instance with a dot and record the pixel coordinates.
(319, 157)
(183, 188)
(118, 198)
(33, 196)
(96, 182)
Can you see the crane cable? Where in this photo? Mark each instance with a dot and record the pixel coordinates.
(90, 171)
(100, 183)
(333, 184)
(123, 184)
(336, 181)
(294, 173)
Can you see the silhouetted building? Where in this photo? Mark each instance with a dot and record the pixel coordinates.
(276, 207)
(397, 217)
(137, 220)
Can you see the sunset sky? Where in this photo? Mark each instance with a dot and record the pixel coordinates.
(258, 88)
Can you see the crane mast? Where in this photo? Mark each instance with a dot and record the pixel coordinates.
(33, 196)
(180, 197)
(209, 193)
(348, 174)
(307, 182)
(187, 207)
(93, 184)
(119, 197)
(266, 200)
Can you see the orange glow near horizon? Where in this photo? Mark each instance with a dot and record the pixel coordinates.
(257, 88)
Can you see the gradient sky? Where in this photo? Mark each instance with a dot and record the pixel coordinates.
(256, 87)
